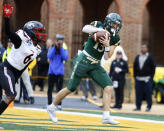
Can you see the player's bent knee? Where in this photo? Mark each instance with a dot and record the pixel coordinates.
(108, 89)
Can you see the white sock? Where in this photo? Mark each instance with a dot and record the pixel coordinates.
(106, 114)
(52, 105)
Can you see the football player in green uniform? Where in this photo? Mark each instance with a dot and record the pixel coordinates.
(88, 63)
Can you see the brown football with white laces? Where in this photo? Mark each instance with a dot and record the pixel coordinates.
(97, 36)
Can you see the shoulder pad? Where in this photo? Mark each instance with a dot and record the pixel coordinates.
(115, 40)
(23, 35)
(97, 24)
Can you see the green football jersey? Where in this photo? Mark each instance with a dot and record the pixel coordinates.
(95, 49)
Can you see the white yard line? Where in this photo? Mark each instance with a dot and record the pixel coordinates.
(94, 115)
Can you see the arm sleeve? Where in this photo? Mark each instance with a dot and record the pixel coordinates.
(153, 66)
(135, 67)
(4, 56)
(125, 67)
(51, 53)
(64, 53)
(111, 70)
(94, 27)
(15, 39)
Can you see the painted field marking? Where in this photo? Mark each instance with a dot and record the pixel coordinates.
(94, 115)
(38, 119)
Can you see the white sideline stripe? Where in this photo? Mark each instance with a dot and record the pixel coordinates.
(9, 80)
(94, 115)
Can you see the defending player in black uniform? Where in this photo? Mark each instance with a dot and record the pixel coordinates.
(25, 49)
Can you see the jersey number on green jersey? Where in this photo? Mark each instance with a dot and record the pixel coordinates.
(99, 47)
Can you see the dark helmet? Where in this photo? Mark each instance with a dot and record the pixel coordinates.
(113, 18)
(35, 31)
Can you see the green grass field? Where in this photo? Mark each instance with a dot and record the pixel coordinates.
(77, 120)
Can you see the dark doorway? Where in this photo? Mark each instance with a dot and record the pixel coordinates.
(27, 10)
(155, 29)
(87, 11)
(95, 10)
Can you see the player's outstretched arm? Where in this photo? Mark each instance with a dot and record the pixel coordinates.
(7, 10)
(91, 29)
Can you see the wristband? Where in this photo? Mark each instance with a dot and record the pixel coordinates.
(107, 48)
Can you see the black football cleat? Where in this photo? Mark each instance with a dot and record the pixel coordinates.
(32, 101)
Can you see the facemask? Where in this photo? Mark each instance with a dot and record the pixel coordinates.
(113, 31)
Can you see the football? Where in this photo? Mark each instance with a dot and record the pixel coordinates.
(96, 36)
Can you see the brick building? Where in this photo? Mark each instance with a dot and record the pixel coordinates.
(142, 21)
